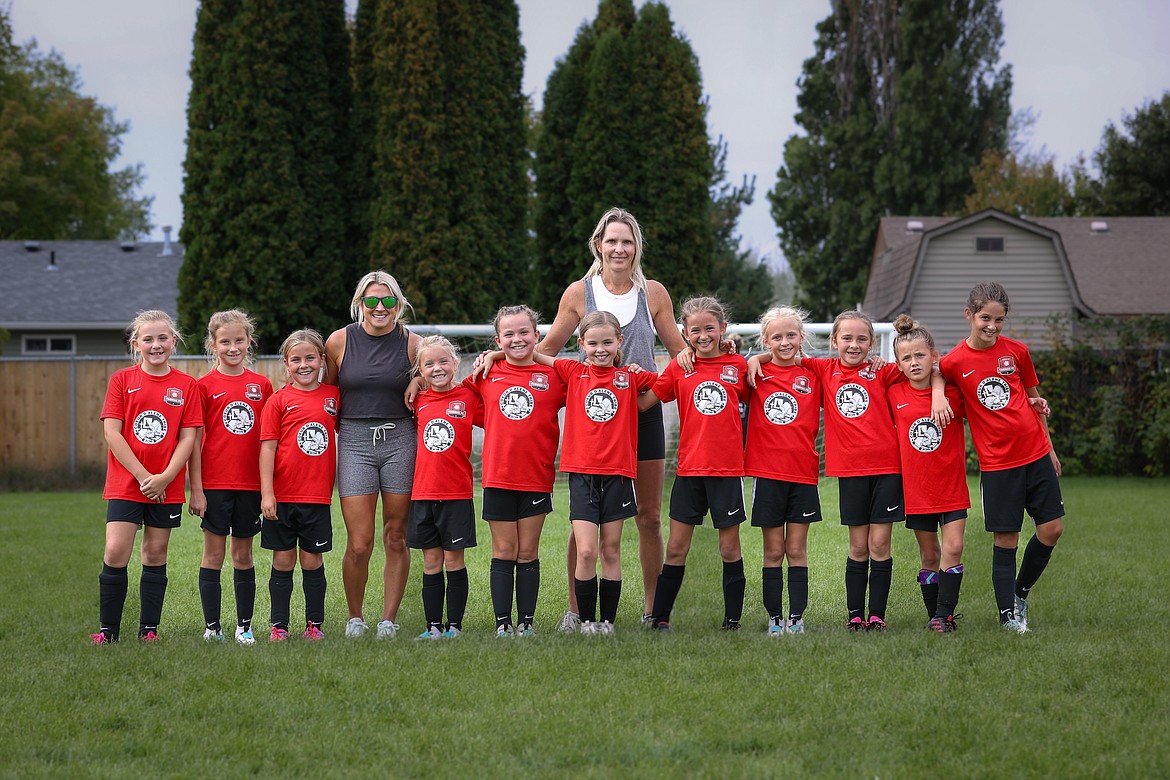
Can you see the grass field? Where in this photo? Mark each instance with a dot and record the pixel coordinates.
(1084, 694)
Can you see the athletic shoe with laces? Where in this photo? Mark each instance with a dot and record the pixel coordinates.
(212, 635)
(387, 629)
(525, 629)
(942, 625)
(313, 633)
(505, 631)
(856, 624)
(876, 624)
(244, 636)
(1013, 625)
(663, 626)
(605, 628)
(795, 626)
(149, 636)
(570, 622)
(278, 634)
(431, 633)
(589, 628)
(1022, 613)
(776, 626)
(452, 633)
(355, 627)
(647, 621)
(729, 625)
(101, 638)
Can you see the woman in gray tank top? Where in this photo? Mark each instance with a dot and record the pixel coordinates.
(615, 283)
(370, 362)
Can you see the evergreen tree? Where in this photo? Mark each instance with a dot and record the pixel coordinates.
(1135, 163)
(899, 102)
(264, 219)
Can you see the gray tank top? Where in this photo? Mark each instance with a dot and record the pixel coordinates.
(637, 335)
(375, 371)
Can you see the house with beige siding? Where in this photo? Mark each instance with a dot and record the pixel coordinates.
(1064, 268)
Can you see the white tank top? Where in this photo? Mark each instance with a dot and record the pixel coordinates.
(623, 306)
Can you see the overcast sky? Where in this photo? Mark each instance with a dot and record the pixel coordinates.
(1077, 63)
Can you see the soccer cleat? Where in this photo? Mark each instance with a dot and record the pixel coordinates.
(101, 638)
(212, 635)
(431, 633)
(570, 622)
(776, 627)
(856, 624)
(452, 633)
(1022, 613)
(663, 626)
(244, 636)
(313, 633)
(278, 634)
(149, 636)
(355, 627)
(525, 629)
(943, 625)
(647, 621)
(505, 631)
(387, 629)
(729, 625)
(605, 628)
(1013, 625)
(795, 626)
(876, 624)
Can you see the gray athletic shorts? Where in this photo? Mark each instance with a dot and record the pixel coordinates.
(375, 456)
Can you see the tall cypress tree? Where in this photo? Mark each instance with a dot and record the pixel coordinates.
(264, 219)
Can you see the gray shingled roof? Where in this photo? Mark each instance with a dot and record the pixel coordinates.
(96, 284)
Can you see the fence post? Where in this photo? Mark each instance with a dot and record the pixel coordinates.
(73, 417)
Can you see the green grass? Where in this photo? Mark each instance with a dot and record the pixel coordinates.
(1084, 694)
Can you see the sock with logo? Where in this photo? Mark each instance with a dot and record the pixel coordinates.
(313, 583)
(456, 597)
(280, 587)
(586, 591)
(610, 595)
(244, 581)
(1003, 580)
(210, 593)
(734, 584)
(112, 587)
(773, 591)
(432, 599)
(881, 573)
(669, 582)
(928, 582)
(1035, 560)
(527, 590)
(856, 580)
(501, 579)
(151, 591)
(797, 591)
(949, 581)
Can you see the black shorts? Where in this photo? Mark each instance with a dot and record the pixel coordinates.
(601, 499)
(692, 497)
(446, 524)
(512, 505)
(651, 434)
(871, 499)
(235, 512)
(144, 513)
(932, 521)
(309, 524)
(1006, 494)
(776, 502)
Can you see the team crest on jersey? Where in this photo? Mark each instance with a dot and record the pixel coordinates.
(538, 382)
(1006, 366)
(801, 385)
(621, 380)
(238, 418)
(150, 427)
(852, 400)
(710, 398)
(516, 403)
(867, 372)
(438, 435)
(331, 406)
(173, 396)
(994, 393)
(252, 392)
(457, 409)
(601, 405)
(730, 375)
(925, 435)
(781, 408)
(313, 439)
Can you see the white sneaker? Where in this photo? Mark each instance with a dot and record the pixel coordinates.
(212, 635)
(570, 622)
(244, 636)
(1022, 613)
(776, 627)
(387, 629)
(794, 626)
(605, 628)
(590, 627)
(355, 627)
(431, 633)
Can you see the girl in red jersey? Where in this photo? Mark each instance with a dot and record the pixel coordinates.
(298, 465)
(225, 488)
(934, 472)
(1018, 469)
(600, 457)
(521, 400)
(784, 417)
(710, 457)
(149, 419)
(442, 517)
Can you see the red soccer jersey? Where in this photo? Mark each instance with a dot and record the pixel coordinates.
(994, 383)
(934, 459)
(231, 429)
(859, 432)
(783, 418)
(304, 426)
(521, 429)
(710, 438)
(601, 418)
(442, 465)
(152, 410)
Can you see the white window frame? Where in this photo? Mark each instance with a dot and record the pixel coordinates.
(49, 352)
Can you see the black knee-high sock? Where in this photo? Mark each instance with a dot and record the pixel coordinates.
(456, 597)
(611, 594)
(151, 592)
(432, 599)
(280, 587)
(501, 582)
(773, 587)
(527, 590)
(669, 582)
(313, 583)
(734, 584)
(797, 592)
(1036, 557)
(244, 581)
(210, 592)
(881, 573)
(1003, 580)
(112, 586)
(586, 591)
(949, 581)
(856, 579)
(928, 581)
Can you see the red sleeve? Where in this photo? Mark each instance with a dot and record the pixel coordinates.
(664, 387)
(1027, 369)
(645, 380)
(270, 421)
(113, 408)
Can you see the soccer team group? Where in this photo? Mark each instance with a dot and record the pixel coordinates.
(375, 411)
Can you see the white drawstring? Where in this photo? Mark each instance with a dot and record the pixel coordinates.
(380, 432)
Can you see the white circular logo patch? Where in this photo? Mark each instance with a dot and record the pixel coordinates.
(313, 439)
(238, 417)
(994, 393)
(601, 405)
(439, 435)
(150, 427)
(516, 403)
(925, 435)
(852, 400)
(781, 408)
(710, 398)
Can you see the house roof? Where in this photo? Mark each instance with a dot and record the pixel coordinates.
(1122, 271)
(95, 285)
